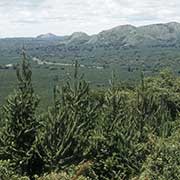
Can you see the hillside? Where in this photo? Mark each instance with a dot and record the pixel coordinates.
(126, 50)
(115, 42)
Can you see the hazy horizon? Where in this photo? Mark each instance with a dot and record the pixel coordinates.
(29, 18)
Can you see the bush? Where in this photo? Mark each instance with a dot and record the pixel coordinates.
(59, 176)
(72, 172)
(7, 173)
(164, 162)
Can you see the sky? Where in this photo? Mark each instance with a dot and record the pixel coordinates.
(29, 18)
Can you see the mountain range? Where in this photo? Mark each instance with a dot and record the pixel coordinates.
(122, 41)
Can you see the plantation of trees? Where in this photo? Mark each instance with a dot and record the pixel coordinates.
(122, 133)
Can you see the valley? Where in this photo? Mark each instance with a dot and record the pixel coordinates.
(126, 50)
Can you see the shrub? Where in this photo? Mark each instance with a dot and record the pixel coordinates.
(7, 173)
(164, 162)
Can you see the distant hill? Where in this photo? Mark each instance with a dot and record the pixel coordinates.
(118, 42)
(47, 36)
(50, 36)
(128, 36)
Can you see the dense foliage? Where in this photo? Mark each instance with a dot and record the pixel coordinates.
(119, 133)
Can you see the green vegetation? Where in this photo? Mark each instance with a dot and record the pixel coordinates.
(122, 132)
(128, 50)
(45, 76)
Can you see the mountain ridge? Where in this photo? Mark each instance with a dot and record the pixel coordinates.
(112, 42)
(174, 23)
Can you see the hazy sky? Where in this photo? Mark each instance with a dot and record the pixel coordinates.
(33, 17)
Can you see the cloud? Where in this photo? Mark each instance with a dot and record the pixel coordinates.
(33, 17)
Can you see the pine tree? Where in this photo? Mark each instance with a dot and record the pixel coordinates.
(18, 142)
(151, 111)
(69, 123)
(116, 148)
